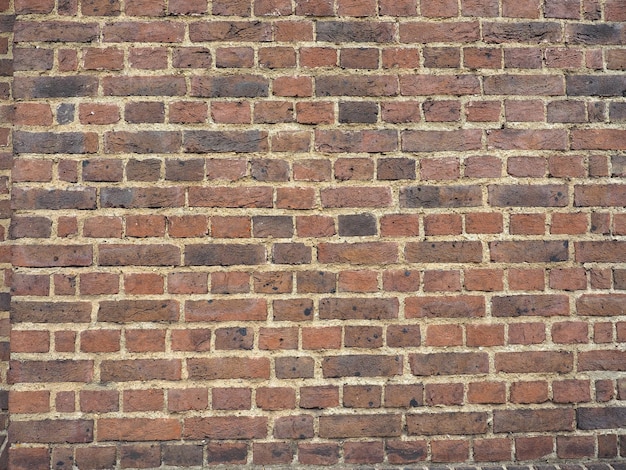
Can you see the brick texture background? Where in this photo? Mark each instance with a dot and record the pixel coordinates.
(312, 232)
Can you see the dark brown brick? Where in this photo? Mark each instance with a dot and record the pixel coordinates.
(595, 34)
(455, 423)
(449, 363)
(52, 143)
(125, 311)
(343, 426)
(534, 361)
(255, 31)
(224, 255)
(54, 199)
(142, 142)
(346, 31)
(531, 251)
(357, 225)
(361, 366)
(50, 312)
(139, 255)
(140, 369)
(30, 227)
(55, 31)
(241, 86)
(545, 305)
(440, 196)
(601, 418)
(428, 32)
(133, 198)
(595, 85)
(52, 431)
(233, 453)
(543, 420)
(526, 32)
(225, 141)
(50, 371)
(350, 85)
(358, 112)
(528, 195)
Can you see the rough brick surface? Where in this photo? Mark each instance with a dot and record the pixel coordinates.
(350, 233)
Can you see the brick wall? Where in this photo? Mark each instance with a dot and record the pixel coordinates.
(313, 232)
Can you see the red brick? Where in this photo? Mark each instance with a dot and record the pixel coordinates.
(231, 398)
(139, 429)
(29, 401)
(486, 392)
(233, 427)
(29, 458)
(99, 401)
(531, 448)
(187, 399)
(228, 367)
(321, 338)
(443, 394)
(344, 426)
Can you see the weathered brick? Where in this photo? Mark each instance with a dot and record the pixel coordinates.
(358, 253)
(55, 31)
(602, 360)
(531, 251)
(140, 369)
(218, 141)
(428, 32)
(525, 32)
(540, 420)
(52, 255)
(534, 361)
(346, 31)
(224, 310)
(242, 86)
(449, 363)
(455, 423)
(344, 426)
(142, 142)
(601, 305)
(600, 418)
(333, 85)
(50, 312)
(364, 308)
(139, 255)
(440, 196)
(50, 371)
(52, 431)
(137, 311)
(224, 255)
(48, 142)
(362, 366)
(594, 34)
(534, 305)
(228, 368)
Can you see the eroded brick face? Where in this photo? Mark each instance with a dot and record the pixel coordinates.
(312, 233)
